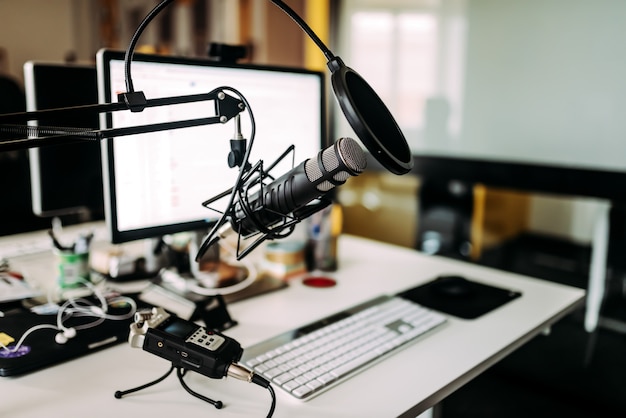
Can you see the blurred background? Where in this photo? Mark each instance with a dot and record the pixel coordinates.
(447, 69)
(412, 52)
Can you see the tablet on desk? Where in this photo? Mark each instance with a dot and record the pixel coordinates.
(40, 349)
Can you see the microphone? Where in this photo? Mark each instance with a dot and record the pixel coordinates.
(285, 201)
(309, 180)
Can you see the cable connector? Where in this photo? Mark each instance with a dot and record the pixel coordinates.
(239, 372)
(136, 101)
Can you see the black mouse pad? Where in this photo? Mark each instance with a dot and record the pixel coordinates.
(468, 301)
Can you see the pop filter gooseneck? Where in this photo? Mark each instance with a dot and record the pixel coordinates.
(365, 111)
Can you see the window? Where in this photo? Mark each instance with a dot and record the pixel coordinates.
(409, 51)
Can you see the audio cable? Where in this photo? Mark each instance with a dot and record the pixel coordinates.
(78, 307)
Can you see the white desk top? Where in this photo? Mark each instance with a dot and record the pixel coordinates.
(405, 384)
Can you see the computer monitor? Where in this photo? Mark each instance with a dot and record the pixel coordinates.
(155, 183)
(66, 180)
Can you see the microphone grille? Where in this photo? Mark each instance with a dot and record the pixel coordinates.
(352, 154)
(342, 160)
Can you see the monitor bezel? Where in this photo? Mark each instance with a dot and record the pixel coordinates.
(84, 209)
(103, 59)
(546, 179)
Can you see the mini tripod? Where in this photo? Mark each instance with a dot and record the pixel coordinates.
(180, 372)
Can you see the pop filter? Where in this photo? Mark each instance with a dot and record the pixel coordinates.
(370, 118)
(365, 111)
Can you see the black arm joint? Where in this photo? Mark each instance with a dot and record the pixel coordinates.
(135, 101)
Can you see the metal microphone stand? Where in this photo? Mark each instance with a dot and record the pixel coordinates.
(180, 372)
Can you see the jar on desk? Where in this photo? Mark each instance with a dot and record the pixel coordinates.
(73, 268)
(284, 259)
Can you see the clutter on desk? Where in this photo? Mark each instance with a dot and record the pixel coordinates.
(323, 229)
(72, 260)
(13, 288)
(284, 259)
(210, 309)
(116, 265)
(48, 333)
(319, 281)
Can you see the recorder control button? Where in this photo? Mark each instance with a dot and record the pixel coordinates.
(206, 339)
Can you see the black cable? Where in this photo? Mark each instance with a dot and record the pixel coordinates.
(264, 383)
(180, 372)
(130, 51)
(208, 241)
(303, 25)
(273, 405)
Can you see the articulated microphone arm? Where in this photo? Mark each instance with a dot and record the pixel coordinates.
(15, 133)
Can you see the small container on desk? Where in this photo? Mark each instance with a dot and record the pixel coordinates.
(323, 232)
(73, 268)
(72, 261)
(284, 259)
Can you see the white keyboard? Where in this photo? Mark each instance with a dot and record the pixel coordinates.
(309, 360)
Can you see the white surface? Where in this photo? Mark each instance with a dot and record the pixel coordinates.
(409, 382)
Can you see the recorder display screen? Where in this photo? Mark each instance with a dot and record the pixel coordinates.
(180, 328)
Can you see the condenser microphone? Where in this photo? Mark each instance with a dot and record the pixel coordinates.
(272, 209)
(306, 182)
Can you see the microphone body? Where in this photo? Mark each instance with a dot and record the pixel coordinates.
(295, 189)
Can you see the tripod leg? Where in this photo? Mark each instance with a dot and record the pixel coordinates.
(121, 393)
(181, 373)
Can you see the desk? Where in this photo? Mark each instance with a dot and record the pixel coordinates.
(410, 381)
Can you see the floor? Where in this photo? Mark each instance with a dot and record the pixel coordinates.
(569, 373)
(551, 376)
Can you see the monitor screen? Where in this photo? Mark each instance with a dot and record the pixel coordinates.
(65, 179)
(155, 183)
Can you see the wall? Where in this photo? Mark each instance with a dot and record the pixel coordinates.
(381, 206)
(549, 88)
(49, 30)
(41, 30)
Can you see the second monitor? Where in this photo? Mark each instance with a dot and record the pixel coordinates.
(66, 180)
